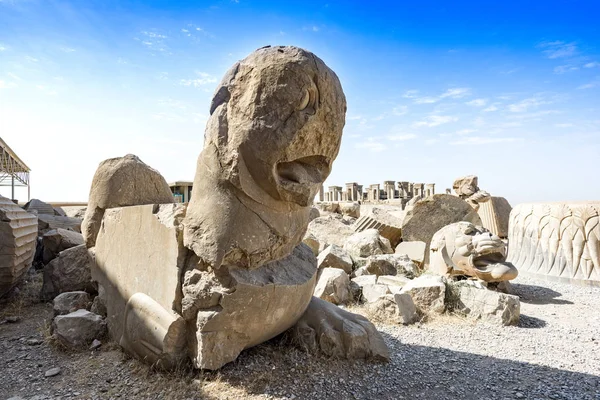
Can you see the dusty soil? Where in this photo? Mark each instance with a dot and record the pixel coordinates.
(554, 353)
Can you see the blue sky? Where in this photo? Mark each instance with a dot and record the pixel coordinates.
(510, 92)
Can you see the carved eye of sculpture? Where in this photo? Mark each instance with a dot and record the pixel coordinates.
(309, 101)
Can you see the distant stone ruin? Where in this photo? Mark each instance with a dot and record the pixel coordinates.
(398, 193)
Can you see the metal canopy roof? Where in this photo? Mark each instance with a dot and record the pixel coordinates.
(13, 171)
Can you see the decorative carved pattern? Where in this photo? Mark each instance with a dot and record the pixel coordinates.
(556, 239)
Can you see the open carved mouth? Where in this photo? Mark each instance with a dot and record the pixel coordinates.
(482, 260)
(299, 177)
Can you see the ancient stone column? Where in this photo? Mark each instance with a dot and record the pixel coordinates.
(390, 190)
(321, 194)
(418, 189)
(429, 189)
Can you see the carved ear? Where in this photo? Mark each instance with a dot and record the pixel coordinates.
(222, 93)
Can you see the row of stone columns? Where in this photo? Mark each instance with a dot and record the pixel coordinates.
(354, 192)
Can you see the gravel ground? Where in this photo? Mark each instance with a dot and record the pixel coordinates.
(553, 354)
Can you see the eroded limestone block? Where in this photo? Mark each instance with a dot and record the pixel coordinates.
(372, 292)
(428, 293)
(415, 250)
(335, 257)
(400, 308)
(57, 240)
(495, 215)
(350, 209)
(367, 243)
(488, 305)
(333, 285)
(431, 214)
(121, 182)
(389, 226)
(69, 272)
(391, 264)
(466, 188)
(79, 328)
(560, 240)
(18, 238)
(465, 249)
(329, 230)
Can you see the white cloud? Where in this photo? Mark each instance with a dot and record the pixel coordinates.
(430, 142)
(561, 69)
(31, 59)
(563, 125)
(203, 79)
(590, 85)
(463, 132)
(490, 108)
(67, 49)
(454, 93)
(410, 94)
(400, 138)
(7, 85)
(477, 102)
(592, 64)
(371, 144)
(399, 110)
(558, 49)
(435, 120)
(526, 104)
(2, 48)
(153, 35)
(478, 140)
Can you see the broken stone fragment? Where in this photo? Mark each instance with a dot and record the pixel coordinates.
(78, 328)
(57, 240)
(487, 305)
(333, 285)
(367, 243)
(335, 257)
(69, 272)
(68, 302)
(415, 250)
(428, 293)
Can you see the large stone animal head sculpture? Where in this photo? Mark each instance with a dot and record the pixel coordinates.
(465, 249)
(274, 130)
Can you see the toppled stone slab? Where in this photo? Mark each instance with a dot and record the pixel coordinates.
(57, 240)
(329, 230)
(495, 215)
(39, 207)
(428, 293)
(391, 264)
(415, 250)
(75, 211)
(69, 272)
(350, 209)
(121, 182)
(78, 328)
(335, 257)
(333, 285)
(367, 243)
(49, 222)
(68, 302)
(389, 226)
(400, 308)
(487, 305)
(18, 238)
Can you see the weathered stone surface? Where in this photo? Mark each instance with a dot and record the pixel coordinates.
(367, 243)
(57, 240)
(329, 230)
(488, 305)
(415, 250)
(428, 293)
(49, 222)
(18, 238)
(393, 280)
(314, 213)
(560, 240)
(391, 264)
(68, 272)
(431, 214)
(389, 226)
(350, 209)
(75, 211)
(371, 292)
(311, 241)
(335, 257)
(348, 220)
(330, 207)
(121, 182)
(78, 328)
(333, 285)
(465, 249)
(400, 308)
(466, 188)
(68, 302)
(99, 304)
(39, 207)
(234, 271)
(338, 333)
(495, 215)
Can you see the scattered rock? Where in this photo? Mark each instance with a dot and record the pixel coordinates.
(415, 250)
(57, 240)
(69, 272)
(68, 302)
(428, 293)
(333, 285)
(329, 230)
(371, 292)
(400, 308)
(52, 372)
(487, 305)
(95, 344)
(335, 257)
(367, 243)
(314, 213)
(38, 207)
(350, 209)
(389, 226)
(48, 222)
(311, 241)
(391, 264)
(78, 328)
